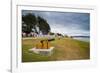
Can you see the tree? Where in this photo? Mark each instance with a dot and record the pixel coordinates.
(51, 33)
(43, 25)
(29, 22)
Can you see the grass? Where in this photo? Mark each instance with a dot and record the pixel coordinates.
(64, 49)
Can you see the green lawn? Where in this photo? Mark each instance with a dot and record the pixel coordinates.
(64, 49)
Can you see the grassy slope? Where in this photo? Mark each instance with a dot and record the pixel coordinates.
(65, 49)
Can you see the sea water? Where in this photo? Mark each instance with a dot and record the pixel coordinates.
(86, 39)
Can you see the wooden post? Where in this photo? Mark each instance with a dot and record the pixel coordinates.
(47, 44)
(42, 44)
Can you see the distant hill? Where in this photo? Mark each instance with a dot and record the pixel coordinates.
(82, 36)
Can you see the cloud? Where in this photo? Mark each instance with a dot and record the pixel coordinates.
(65, 22)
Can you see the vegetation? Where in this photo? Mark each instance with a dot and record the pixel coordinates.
(43, 25)
(64, 49)
(31, 22)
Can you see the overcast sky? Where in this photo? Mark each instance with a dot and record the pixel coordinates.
(69, 23)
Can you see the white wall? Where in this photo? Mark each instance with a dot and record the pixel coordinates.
(5, 38)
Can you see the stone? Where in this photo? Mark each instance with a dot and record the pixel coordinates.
(46, 52)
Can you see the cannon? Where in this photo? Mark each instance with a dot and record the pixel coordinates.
(43, 47)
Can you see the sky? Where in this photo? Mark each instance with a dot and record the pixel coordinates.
(67, 23)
